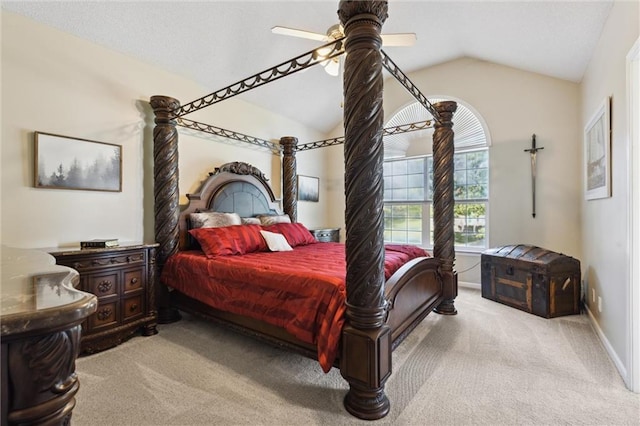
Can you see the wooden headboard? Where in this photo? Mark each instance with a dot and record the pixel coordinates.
(233, 187)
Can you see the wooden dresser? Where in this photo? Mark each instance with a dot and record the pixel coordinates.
(41, 317)
(123, 278)
(326, 235)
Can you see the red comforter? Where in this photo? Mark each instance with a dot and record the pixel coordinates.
(302, 291)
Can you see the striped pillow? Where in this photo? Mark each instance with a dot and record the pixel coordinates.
(213, 219)
(272, 219)
(229, 240)
(250, 221)
(295, 233)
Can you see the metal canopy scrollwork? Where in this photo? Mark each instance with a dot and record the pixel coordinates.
(321, 144)
(299, 63)
(389, 131)
(406, 128)
(408, 84)
(218, 131)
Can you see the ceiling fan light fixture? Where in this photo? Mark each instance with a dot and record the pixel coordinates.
(332, 66)
(323, 52)
(336, 32)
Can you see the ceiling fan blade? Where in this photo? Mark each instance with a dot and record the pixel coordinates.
(402, 39)
(299, 33)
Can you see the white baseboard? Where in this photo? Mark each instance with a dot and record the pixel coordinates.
(469, 285)
(622, 370)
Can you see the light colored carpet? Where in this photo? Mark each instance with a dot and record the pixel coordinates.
(490, 364)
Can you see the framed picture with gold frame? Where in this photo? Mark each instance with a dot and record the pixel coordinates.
(63, 162)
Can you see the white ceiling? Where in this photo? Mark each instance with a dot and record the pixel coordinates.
(217, 43)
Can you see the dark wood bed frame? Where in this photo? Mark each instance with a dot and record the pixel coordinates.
(379, 314)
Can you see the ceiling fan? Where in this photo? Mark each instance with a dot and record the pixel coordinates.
(332, 66)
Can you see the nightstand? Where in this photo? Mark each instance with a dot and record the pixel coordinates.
(123, 279)
(327, 235)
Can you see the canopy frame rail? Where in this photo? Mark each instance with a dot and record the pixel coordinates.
(402, 78)
(388, 131)
(275, 148)
(299, 63)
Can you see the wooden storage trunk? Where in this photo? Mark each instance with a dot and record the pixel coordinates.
(533, 279)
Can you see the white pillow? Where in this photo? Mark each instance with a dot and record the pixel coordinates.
(276, 242)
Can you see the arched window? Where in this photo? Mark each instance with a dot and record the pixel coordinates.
(408, 179)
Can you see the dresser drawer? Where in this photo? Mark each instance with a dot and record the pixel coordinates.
(133, 280)
(132, 308)
(102, 285)
(92, 262)
(106, 315)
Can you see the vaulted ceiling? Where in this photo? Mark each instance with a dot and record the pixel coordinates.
(217, 43)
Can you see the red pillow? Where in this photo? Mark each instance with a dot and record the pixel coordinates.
(229, 240)
(295, 233)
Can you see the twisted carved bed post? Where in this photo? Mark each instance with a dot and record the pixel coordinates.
(443, 202)
(366, 341)
(166, 192)
(289, 177)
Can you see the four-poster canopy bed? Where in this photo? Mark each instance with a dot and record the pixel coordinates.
(375, 307)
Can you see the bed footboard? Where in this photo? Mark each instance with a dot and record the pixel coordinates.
(412, 292)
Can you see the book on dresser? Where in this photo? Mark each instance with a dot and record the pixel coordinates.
(99, 243)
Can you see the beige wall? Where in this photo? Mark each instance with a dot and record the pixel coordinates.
(53, 82)
(515, 104)
(605, 222)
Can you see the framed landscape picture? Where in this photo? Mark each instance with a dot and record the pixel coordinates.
(63, 162)
(308, 188)
(597, 153)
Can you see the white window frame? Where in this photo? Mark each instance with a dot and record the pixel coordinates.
(465, 139)
(427, 207)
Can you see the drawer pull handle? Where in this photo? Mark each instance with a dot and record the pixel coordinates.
(105, 286)
(134, 281)
(509, 270)
(103, 314)
(133, 307)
